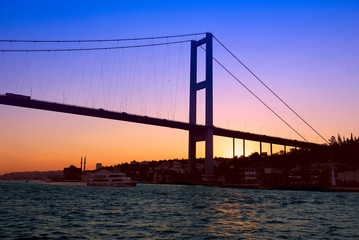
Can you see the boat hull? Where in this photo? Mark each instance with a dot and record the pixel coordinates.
(111, 184)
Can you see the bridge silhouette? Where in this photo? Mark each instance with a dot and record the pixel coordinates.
(197, 132)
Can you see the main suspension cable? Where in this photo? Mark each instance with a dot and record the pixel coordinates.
(270, 89)
(91, 49)
(276, 114)
(100, 40)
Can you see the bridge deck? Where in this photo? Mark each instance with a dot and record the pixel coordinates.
(100, 113)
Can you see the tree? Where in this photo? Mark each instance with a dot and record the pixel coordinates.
(332, 141)
(340, 142)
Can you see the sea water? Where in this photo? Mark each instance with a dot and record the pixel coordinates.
(148, 211)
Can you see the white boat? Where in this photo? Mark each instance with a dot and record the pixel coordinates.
(110, 180)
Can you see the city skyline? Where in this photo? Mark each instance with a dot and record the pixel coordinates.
(300, 49)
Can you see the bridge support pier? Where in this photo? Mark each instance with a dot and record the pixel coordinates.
(207, 84)
(244, 148)
(234, 147)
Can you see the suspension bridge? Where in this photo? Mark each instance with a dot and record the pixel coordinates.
(197, 132)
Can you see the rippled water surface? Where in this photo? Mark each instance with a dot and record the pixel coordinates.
(46, 211)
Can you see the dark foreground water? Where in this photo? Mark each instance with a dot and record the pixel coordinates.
(45, 211)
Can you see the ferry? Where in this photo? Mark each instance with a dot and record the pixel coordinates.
(110, 180)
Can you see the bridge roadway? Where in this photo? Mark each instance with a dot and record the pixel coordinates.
(26, 102)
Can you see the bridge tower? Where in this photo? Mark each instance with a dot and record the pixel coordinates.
(206, 134)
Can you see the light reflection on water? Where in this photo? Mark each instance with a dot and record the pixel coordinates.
(44, 211)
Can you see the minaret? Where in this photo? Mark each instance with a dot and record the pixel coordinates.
(81, 163)
(85, 164)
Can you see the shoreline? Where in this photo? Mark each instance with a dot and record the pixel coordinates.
(244, 186)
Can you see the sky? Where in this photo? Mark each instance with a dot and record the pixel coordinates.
(305, 51)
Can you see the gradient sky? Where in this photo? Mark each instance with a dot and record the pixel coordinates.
(306, 51)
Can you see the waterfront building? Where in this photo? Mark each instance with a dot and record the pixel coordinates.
(98, 166)
(72, 173)
(349, 178)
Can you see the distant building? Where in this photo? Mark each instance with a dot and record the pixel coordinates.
(163, 166)
(103, 170)
(72, 173)
(99, 166)
(176, 166)
(349, 177)
(274, 177)
(250, 175)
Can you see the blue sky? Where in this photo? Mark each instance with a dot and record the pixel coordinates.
(306, 51)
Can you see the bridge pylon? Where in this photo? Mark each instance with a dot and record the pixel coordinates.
(196, 135)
